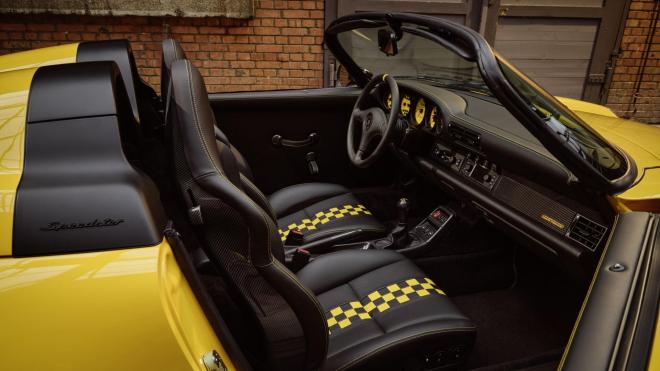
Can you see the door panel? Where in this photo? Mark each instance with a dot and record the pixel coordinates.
(612, 323)
(250, 120)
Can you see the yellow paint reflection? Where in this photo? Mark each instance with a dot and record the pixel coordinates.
(29, 276)
(13, 100)
(76, 308)
(39, 57)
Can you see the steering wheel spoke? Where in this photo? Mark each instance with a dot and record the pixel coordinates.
(373, 122)
(358, 114)
(364, 142)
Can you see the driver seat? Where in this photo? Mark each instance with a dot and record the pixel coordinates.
(318, 210)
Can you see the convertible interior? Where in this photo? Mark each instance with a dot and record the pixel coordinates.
(401, 225)
(408, 256)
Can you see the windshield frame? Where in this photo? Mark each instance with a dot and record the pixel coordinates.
(477, 49)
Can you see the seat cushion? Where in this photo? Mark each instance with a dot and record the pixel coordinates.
(380, 306)
(321, 210)
(288, 200)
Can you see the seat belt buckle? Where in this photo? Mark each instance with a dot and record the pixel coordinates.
(195, 215)
(294, 238)
(300, 259)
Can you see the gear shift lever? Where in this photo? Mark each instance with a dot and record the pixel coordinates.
(400, 232)
(403, 209)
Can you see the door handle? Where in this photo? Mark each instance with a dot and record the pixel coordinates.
(311, 139)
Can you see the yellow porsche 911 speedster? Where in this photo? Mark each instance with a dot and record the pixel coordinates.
(444, 213)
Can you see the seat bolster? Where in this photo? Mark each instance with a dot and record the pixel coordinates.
(331, 270)
(297, 197)
(307, 309)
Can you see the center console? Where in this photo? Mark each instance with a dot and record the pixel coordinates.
(430, 226)
(418, 238)
(426, 231)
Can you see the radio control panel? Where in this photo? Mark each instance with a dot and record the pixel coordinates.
(468, 164)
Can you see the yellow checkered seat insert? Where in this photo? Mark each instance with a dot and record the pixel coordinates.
(379, 301)
(334, 215)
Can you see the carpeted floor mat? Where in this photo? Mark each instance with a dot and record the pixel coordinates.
(547, 361)
(511, 326)
(533, 319)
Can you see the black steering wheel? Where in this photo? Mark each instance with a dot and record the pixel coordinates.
(374, 121)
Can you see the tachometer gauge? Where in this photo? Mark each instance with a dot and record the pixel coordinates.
(405, 105)
(420, 110)
(433, 117)
(388, 101)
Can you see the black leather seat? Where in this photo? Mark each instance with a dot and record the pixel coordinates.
(405, 311)
(351, 309)
(318, 210)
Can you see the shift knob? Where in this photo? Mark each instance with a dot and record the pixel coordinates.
(403, 207)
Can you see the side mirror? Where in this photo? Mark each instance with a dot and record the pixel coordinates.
(387, 42)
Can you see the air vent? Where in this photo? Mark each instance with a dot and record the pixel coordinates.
(586, 232)
(464, 135)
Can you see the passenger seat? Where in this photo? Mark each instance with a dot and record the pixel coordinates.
(352, 309)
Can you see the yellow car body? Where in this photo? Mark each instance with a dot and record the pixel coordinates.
(157, 323)
(135, 306)
(640, 141)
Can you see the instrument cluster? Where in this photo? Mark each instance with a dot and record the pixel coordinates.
(418, 111)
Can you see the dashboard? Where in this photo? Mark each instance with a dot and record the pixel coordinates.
(469, 145)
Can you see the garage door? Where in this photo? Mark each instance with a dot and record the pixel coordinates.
(564, 45)
(553, 52)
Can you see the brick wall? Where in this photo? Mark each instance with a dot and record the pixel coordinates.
(280, 48)
(637, 69)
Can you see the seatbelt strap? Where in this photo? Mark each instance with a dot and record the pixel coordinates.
(166, 115)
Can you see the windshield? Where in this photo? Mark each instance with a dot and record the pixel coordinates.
(418, 58)
(421, 58)
(565, 124)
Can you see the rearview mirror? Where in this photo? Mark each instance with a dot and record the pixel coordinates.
(387, 42)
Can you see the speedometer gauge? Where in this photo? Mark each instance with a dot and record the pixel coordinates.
(405, 105)
(420, 110)
(388, 101)
(433, 117)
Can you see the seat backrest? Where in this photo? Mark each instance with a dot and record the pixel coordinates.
(239, 236)
(171, 52)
